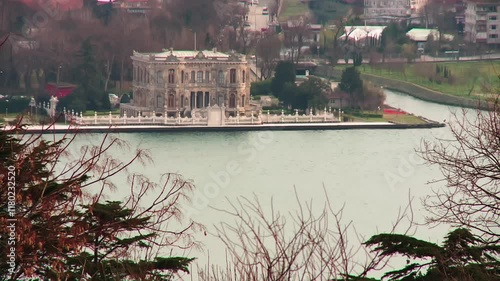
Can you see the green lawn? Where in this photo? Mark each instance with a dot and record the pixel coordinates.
(396, 118)
(403, 119)
(328, 10)
(293, 9)
(468, 79)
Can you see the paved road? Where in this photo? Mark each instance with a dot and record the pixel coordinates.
(425, 58)
(256, 19)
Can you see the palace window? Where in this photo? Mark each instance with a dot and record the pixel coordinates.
(232, 76)
(193, 76)
(171, 100)
(159, 77)
(199, 77)
(221, 77)
(182, 76)
(207, 76)
(159, 101)
(207, 99)
(220, 99)
(171, 76)
(243, 101)
(243, 76)
(232, 100)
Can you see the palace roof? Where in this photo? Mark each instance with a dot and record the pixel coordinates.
(171, 54)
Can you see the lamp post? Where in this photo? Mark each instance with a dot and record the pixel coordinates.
(32, 104)
(57, 79)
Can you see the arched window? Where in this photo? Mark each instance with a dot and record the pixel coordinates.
(182, 100)
(220, 77)
(232, 100)
(171, 100)
(199, 78)
(171, 76)
(140, 74)
(232, 76)
(192, 76)
(243, 76)
(243, 101)
(182, 76)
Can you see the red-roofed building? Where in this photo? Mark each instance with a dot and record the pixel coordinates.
(60, 91)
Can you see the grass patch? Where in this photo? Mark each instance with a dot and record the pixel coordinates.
(466, 79)
(371, 116)
(328, 10)
(292, 9)
(403, 119)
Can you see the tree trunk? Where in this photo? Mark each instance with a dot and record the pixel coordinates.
(121, 76)
(108, 74)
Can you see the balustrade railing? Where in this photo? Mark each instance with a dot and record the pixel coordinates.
(326, 116)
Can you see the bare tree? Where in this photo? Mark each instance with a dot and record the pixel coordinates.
(51, 225)
(339, 46)
(303, 245)
(470, 164)
(296, 34)
(268, 53)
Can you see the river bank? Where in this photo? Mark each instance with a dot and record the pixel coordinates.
(408, 88)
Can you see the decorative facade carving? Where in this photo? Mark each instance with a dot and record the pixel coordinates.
(176, 82)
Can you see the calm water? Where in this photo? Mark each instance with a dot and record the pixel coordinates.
(372, 172)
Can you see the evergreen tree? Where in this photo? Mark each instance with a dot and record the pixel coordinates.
(351, 83)
(462, 256)
(113, 230)
(90, 81)
(284, 72)
(60, 235)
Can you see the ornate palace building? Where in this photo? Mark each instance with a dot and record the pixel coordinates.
(182, 82)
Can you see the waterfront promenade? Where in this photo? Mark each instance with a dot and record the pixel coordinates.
(69, 128)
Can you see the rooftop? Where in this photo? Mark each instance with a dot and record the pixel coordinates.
(422, 34)
(189, 54)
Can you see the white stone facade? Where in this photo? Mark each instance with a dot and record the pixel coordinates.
(177, 82)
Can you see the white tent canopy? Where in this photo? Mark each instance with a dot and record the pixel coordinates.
(422, 34)
(357, 33)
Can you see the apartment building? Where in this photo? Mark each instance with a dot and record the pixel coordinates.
(385, 11)
(482, 22)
